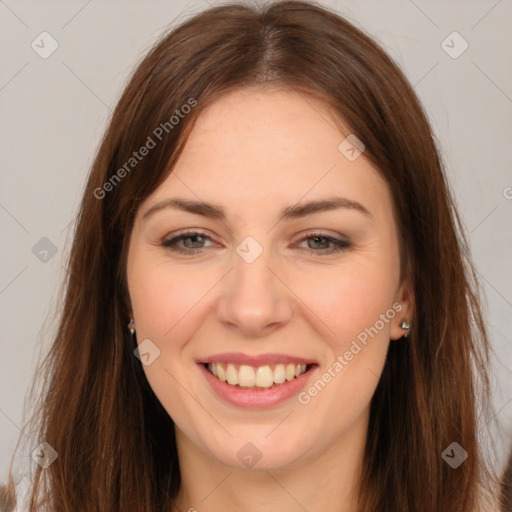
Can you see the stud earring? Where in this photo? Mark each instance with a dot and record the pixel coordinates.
(406, 325)
(131, 326)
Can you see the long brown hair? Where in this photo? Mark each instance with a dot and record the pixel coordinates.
(506, 486)
(115, 442)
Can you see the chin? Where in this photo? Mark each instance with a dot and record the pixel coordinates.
(251, 455)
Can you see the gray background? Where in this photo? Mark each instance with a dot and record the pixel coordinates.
(54, 111)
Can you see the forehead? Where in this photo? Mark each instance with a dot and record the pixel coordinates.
(269, 147)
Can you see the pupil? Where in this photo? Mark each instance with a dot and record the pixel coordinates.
(195, 237)
(316, 238)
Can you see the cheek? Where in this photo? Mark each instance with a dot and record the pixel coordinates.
(349, 301)
(353, 312)
(166, 305)
(167, 301)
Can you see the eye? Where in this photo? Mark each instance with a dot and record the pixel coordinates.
(318, 243)
(193, 241)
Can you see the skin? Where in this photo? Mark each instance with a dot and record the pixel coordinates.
(254, 152)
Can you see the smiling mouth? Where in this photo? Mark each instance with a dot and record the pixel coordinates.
(257, 377)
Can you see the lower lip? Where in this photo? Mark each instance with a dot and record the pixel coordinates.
(257, 398)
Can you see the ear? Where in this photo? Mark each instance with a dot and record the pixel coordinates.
(404, 298)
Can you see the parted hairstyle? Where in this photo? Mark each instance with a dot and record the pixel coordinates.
(115, 441)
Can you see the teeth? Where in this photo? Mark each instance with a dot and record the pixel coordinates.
(262, 376)
(231, 374)
(279, 374)
(221, 374)
(247, 377)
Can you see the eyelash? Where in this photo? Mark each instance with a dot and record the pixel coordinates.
(171, 244)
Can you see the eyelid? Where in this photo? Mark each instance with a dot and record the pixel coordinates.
(312, 233)
(187, 233)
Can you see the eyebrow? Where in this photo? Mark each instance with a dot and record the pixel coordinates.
(214, 211)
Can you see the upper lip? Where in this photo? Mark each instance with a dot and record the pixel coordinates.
(259, 360)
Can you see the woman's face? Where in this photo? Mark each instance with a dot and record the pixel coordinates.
(233, 259)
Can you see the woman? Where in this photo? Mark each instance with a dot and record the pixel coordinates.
(269, 292)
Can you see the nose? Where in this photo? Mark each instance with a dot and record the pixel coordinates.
(254, 297)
